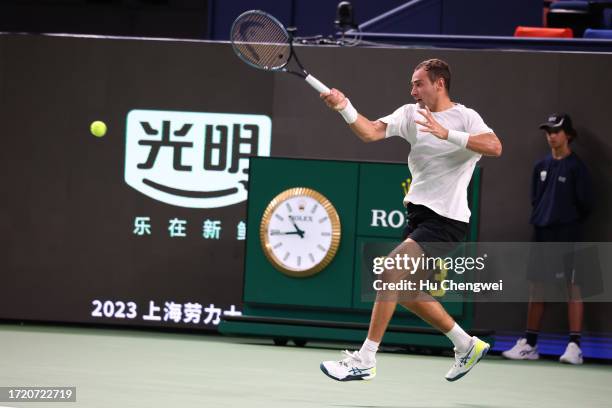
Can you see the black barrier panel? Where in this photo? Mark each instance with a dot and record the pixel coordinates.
(68, 215)
(130, 228)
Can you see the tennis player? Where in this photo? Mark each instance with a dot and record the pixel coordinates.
(447, 139)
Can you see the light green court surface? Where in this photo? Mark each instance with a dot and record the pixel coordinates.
(119, 368)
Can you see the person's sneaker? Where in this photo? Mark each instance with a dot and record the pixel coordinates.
(522, 351)
(349, 369)
(572, 355)
(464, 362)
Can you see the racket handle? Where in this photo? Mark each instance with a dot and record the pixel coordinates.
(316, 84)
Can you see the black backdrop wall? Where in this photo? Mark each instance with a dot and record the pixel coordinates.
(68, 217)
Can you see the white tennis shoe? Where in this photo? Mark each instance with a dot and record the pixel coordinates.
(464, 362)
(350, 368)
(522, 351)
(572, 355)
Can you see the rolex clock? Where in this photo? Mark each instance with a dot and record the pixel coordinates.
(300, 232)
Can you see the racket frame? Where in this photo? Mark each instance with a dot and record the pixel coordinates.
(312, 81)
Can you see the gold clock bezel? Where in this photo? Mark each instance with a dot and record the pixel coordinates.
(335, 238)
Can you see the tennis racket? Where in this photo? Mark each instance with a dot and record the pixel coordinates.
(263, 42)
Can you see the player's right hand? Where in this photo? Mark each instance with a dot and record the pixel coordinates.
(334, 99)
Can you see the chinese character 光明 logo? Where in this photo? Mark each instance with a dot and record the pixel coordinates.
(191, 159)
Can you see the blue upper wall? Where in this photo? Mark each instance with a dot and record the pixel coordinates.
(212, 19)
(459, 17)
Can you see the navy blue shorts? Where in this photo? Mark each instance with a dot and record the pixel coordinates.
(554, 261)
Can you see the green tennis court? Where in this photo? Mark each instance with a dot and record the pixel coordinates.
(125, 368)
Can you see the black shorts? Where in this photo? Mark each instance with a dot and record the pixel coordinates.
(552, 256)
(437, 235)
(571, 232)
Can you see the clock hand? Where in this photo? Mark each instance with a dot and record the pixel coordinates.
(299, 231)
(285, 233)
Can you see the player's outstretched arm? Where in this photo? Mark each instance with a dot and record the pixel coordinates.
(367, 130)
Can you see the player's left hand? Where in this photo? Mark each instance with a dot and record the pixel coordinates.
(431, 125)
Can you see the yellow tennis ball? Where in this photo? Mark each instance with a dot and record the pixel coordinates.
(98, 128)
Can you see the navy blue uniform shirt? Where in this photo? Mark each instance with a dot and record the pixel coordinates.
(560, 191)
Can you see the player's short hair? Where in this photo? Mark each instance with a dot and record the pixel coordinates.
(436, 68)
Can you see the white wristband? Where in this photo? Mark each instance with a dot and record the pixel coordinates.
(458, 138)
(349, 113)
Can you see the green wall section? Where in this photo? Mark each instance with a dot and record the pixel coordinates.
(333, 286)
(380, 188)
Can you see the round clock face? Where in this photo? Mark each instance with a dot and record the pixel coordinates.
(300, 232)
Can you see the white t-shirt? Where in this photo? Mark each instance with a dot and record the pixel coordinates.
(441, 170)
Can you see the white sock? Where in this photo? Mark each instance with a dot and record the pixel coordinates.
(460, 338)
(368, 351)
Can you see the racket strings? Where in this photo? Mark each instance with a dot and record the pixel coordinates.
(261, 41)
